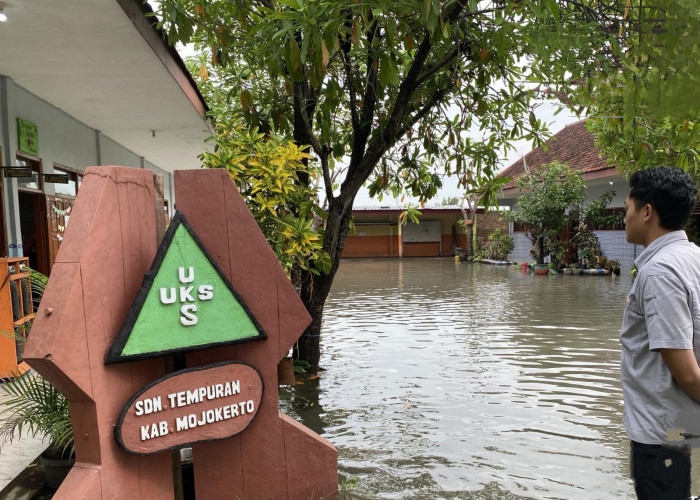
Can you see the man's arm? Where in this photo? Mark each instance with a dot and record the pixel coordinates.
(685, 370)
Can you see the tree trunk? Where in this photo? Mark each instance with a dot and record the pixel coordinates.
(540, 249)
(474, 239)
(315, 288)
(470, 242)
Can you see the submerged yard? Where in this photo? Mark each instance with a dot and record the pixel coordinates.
(448, 380)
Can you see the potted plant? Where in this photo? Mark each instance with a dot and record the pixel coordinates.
(499, 245)
(35, 407)
(586, 245)
(613, 266)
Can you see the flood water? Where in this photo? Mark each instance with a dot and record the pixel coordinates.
(458, 381)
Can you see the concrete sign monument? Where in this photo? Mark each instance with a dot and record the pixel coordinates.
(118, 305)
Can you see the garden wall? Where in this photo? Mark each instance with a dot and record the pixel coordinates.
(614, 246)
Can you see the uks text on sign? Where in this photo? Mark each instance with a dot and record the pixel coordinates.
(188, 309)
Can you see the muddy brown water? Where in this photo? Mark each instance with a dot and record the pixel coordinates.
(454, 381)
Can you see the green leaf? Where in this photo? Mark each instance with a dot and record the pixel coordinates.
(322, 262)
(388, 72)
(293, 60)
(554, 8)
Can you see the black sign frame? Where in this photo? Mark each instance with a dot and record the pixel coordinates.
(17, 172)
(57, 178)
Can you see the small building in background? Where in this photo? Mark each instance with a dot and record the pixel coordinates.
(440, 233)
(575, 146)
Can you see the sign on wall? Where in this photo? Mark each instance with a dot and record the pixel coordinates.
(185, 303)
(27, 137)
(17, 172)
(56, 178)
(193, 405)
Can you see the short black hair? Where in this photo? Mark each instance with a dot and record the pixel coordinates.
(669, 190)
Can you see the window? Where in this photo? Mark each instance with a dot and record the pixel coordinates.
(34, 182)
(74, 180)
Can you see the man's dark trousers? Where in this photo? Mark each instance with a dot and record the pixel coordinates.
(661, 472)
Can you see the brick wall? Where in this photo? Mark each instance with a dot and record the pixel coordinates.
(371, 246)
(488, 223)
(447, 243)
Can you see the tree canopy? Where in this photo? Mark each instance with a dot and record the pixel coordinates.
(645, 105)
(394, 92)
(267, 170)
(384, 83)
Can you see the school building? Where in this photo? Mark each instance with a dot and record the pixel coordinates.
(575, 146)
(85, 84)
(378, 232)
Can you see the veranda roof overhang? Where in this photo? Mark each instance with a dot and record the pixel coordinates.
(103, 63)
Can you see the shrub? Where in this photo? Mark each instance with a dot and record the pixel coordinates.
(499, 245)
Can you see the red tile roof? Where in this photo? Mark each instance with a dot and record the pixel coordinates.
(573, 145)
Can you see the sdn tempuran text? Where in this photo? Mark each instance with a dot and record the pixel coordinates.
(148, 406)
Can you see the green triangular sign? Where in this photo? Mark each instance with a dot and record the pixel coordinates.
(185, 303)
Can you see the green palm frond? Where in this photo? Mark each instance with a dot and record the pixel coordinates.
(35, 407)
(38, 282)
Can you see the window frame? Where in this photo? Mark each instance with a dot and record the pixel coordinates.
(20, 156)
(73, 175)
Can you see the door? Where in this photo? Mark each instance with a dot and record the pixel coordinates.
(32, 219)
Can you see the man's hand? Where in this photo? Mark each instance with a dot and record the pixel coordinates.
(685, 370)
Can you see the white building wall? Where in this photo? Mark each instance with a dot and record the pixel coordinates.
(614, 246)
(521, 250)
(62, 140)
(620, 187)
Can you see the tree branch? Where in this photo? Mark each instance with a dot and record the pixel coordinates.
(436, 67)
(434, 100)
(345, 46)
(327, 182)
(361, 133)
(407, 87)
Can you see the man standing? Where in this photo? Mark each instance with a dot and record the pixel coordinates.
(660, 333)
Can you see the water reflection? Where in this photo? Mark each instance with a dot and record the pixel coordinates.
(447, 380)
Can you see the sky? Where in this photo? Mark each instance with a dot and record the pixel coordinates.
(545, 112)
